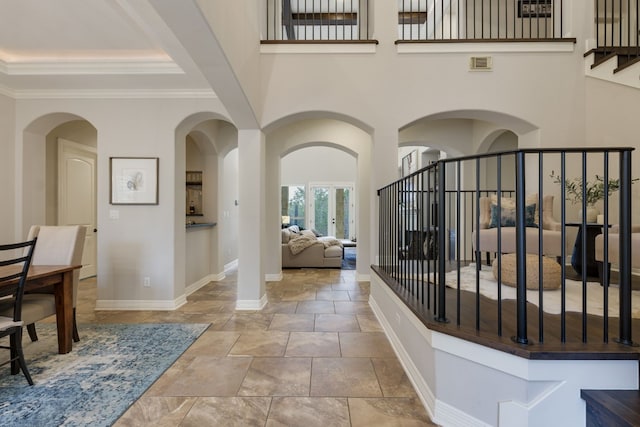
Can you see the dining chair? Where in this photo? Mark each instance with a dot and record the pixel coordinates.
(57, 245)
(13, 276)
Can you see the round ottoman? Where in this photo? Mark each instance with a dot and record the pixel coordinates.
(551, 271)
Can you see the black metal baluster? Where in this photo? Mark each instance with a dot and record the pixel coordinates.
(521, 260)
(625, 248)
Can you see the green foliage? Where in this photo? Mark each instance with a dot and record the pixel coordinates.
(594, 189)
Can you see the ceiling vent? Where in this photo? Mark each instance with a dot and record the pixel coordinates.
(480, 63)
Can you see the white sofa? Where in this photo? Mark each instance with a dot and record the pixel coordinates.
(317, 255)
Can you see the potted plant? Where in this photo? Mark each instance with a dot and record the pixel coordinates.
(594, 192)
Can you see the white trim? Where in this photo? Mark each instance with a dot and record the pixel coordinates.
(110, 94)
(163, 305)
(515, 47)
(277, 277)
(103, 66)
(233, 265)
(200, 283)
(363, 277)
(451, 416)
(423, 391)
(251, 304)
(318, 48)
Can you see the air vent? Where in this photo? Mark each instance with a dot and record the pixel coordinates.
(480, 63)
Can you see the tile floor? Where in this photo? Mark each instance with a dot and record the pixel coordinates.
(315, 356)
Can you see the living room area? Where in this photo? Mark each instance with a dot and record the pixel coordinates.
(318, 207)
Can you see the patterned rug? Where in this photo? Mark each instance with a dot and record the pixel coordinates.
(349, 260)
(95, 384)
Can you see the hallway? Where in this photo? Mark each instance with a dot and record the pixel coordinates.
(315, 356)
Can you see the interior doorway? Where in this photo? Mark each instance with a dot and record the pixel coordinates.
(77, 196)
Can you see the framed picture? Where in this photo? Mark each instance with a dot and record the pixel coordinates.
(410, 163)
(535, 8)
(134, 180)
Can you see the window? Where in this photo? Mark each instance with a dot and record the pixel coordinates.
(293, 205)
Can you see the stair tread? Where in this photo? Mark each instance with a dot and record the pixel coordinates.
(623, 405)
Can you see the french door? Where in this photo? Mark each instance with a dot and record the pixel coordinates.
(332, 209)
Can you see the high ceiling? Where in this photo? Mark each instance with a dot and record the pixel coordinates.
(92, 48)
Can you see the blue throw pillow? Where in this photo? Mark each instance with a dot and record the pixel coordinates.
(507, 217)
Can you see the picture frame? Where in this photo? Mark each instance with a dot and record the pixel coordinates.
(535, 8)
(410, 163)
(134, 180)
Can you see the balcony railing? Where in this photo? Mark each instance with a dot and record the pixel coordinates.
(496, 20)
(618, 28)
(417, 20)
(431, 255)
(317, 20)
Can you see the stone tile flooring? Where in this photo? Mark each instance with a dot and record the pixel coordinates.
(315, 356)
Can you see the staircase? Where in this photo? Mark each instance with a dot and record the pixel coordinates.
(606, 408)
(616, 64)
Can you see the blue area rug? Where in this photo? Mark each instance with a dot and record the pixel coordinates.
(349, 260)
(95, 384)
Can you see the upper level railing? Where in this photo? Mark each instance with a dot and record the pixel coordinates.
(417, 20)
(317, 20)
(435, 229)
(496, 20)
(618, 27)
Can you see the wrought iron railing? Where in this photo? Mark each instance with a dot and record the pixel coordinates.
(618, 28)
(499, 20)
(430, 227)
(317, 20)
(418, 20)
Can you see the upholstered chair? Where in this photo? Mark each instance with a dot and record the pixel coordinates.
(614, 252)
(57, 245)
(488, 232)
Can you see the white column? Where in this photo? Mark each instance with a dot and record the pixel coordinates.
(385, 171)
(251, 230)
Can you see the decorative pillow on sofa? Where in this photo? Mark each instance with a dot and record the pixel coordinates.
(507, 216)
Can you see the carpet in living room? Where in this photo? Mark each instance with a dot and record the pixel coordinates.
(349, 260)
(107, 371)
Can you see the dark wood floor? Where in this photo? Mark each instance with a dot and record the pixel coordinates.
(496, 331)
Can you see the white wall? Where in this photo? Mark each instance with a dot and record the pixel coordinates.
(140, 242)
(8, 233)
(318, 164)
(229, 222)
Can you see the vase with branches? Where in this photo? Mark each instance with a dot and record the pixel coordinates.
(595, 190)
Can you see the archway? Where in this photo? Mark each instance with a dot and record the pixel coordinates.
(59, 178)
(316, 130)
(203, 140)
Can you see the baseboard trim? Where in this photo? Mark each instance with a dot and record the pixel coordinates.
(252, 305)
(277, 277)
(233, 265)
(363, 277)
(200, 283)
(111, 305)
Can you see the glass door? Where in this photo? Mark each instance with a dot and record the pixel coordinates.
(332, 210)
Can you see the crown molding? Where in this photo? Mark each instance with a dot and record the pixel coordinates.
(89, 67)
(110, 94)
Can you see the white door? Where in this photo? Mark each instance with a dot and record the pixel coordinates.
(331, 210)
(77, 196)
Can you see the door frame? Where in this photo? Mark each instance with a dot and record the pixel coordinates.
(66, 146)
(332, 185)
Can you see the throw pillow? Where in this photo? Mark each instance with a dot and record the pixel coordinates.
(316, 232)
(530, 199)
(507, 216)
(294, 229)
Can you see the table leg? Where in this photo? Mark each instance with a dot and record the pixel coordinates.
(64, 312)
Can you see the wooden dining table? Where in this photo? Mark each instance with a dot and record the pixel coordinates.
(60, 277)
